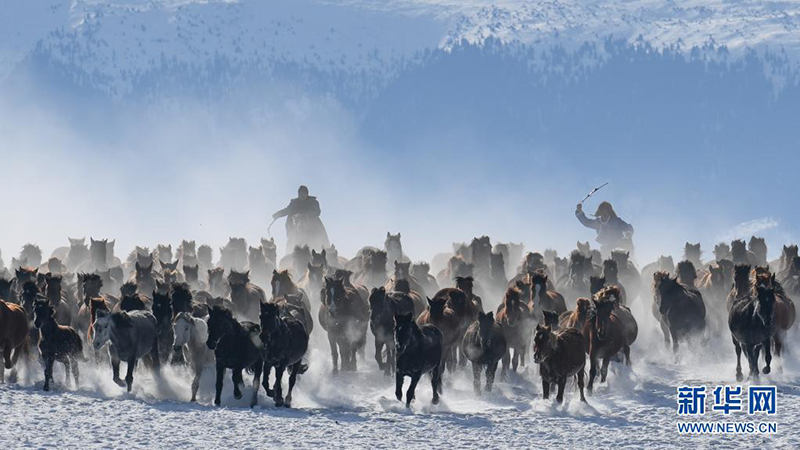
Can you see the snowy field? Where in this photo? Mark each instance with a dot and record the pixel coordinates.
(635, 409)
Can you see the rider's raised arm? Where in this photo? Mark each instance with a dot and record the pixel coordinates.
(585, 221)
(282, 213)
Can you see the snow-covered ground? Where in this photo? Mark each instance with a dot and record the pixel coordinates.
(635, 409)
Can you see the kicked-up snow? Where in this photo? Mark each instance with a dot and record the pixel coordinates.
(636, 408)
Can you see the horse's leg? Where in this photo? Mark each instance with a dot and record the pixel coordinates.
(197, 368)
(491, 369)
(523, 353)
(752, 361)
(545, 388)
(355, 350)
(412, 388)
(7, 356)
(278, 385)
(627, 350)
(265, 381)
(767, 356)
(562, 382)
(515, 360)
(129, 374)
(391, 358)
(334, 353)
(220, 376)
(738, 348)
(604, 369)
(236, 377)
(592, 372)
(115, 370)
(665, 330)
(476, 378)
(581, 374)
(257, 368)
(506, 363)
(436, 383)
(48, 372)
(67, 367)
(398, 385)
(73, 360)
(379, 355)
(292, 380)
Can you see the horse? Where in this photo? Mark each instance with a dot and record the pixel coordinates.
(292, 307)
(758, 247)
(516, 319)
(182, 301)
(383, 307)
(246, 296)
(576, 283)
(144, 278)
(560, 355)
(57, 298)
(679, 309)
(217, 284)
(56, 343)
(751, 319)
(448, 322)
(282, 285)
(662, 264)
(192, 276)
(402, 271)
(285, 343)
(404, 287)
(344, 315)
(78, 253)
(785, 262)
(191, 333)
(130, 299)
(132, 335)
(785, 312)
(740, 254)
(421, 272)
(467, 285)
(373, 273)
(344, 275)
(628, 274)
(162, 311)
(606, 333)
(237, 346)
(741, 285)
(260, 270)
(542, 298)
(687, 274)
(419, 351)
(484, 344)
(693, 254)
(311, 282)
(13, 334)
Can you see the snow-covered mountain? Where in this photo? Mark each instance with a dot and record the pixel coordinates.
(112, 43)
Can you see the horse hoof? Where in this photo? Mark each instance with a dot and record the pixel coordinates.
(46, 388)
(766, 370)
(237, 395)
(119, 382)
(287, 405)
(739, 377)
(279, 403)
(435, 401)
(270, 393)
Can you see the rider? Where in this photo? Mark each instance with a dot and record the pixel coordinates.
(612, 232)
(303, 225)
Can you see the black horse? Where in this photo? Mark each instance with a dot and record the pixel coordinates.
(383, 307)
(237, 346)
(285, 343)
(57, 343)
(419, 351)
(751, 320)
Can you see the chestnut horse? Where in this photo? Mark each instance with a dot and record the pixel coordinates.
(13, 334)
(560, 355)
(606, 334)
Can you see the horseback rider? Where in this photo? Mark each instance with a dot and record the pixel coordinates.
(303, 225)
(612, 232)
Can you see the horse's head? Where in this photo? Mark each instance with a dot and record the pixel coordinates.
(764, 307)
(220, 323)
(205, 254)
(270, 318)
(741, 275)
(270, 249)
(281, 281)
(758, 246)
(392, 242)
(692, 252)
(621, 257)
(238, 280)
(596, 283)
(498, 263)
(43, 312)
(376, 261)
(686, 273)
(583, 305)
(544, 344)
(404, 331)
(789, 252)
(182, 327)
(486, 324)
(52, 283)
(465, 284)
(716, 274)
(420, 271)
(104, 326)
(144, 272)
(181, 296)
(577, 264)
(192, 273)
(162, 307)
(402, 269)
(377, 300)
(169, 266)
(25, 274)
(436, 306)
(188, 247)
(721, 251)
(98, 249)
(344, 275)
(314, 274)
(216, 278)
(512, 303)
(665, 263)
(611, 270)
(334, 294)
(164, 252)
(602, 317)
(584, 248)
(319, 258)
(77, 243)
(402, 285)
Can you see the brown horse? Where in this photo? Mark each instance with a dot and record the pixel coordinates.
(446, 320)
(467, 285)
(577, 317)
(560, 356)
(484, 345)
(403, 286)
(516, 319)
(605, 334)
(344, 315)
(679, 309)
(57, 299)
(57, 343)
(13, 334)
(246, 296)
(785, 312)
(282, 285)
(543, 298)
(402, 271)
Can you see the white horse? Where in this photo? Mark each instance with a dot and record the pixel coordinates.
(132, 336)
(192, 333)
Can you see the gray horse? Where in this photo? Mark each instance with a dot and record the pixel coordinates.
(191, 332)
(132, 335)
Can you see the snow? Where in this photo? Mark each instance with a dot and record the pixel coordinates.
(636, 408)
(118, 40)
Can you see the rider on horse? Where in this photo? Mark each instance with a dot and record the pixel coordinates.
(303, 225)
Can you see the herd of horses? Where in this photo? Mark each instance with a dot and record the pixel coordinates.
(165, 307)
